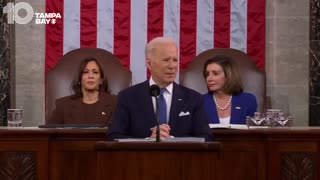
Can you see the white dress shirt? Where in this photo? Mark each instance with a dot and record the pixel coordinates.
(225, 120)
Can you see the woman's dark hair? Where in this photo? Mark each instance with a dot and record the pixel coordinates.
(76, 83)
(233, 83)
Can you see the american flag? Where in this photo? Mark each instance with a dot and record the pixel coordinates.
(123, 27)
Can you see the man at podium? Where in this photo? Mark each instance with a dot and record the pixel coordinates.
(180, 110)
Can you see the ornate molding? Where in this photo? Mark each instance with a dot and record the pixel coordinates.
(297, 165)
(17, 166)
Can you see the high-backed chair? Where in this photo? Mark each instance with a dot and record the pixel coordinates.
(58, 80)
(254, 80)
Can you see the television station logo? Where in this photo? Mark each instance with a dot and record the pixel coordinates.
(39, 18)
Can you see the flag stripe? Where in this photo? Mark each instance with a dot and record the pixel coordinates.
(138, 40)
(221, 24)
(88, 23)
(188, 29)
(105, 25)
(205, 25)
(238, 25)
(122, 31)
(155, 21)
(124, 28)
(171, 22)
(71, 29)
(54, 35)
(256, 32)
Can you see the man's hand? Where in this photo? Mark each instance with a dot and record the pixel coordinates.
(164, 131)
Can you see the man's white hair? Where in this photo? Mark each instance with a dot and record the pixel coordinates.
(151, 46)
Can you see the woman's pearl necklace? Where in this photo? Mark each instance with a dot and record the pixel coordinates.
(222, 108)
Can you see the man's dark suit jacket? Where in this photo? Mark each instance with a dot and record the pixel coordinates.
(134, 115)
(70, 110)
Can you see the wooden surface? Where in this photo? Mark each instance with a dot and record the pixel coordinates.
(161, 161)
(32, 153)
(268, 154)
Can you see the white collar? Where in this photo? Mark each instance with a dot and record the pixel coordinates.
(169, 88)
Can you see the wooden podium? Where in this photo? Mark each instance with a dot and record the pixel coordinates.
(156, 161)
(70, 154)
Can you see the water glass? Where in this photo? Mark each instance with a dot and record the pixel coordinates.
(14, 117)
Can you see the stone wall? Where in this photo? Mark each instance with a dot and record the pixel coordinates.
(314, 79)
(4, 64)
(287, 57)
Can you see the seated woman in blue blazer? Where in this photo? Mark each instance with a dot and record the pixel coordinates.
(226, 103)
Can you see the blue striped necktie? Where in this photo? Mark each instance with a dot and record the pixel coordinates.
(162, 107)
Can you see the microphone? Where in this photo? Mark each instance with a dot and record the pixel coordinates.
(154, 91)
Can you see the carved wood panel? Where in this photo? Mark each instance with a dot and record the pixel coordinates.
(17, 166)
(297, 166)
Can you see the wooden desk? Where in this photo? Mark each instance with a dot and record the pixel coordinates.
(152, 160)
(247, 154)
(270, 153)
(33, 153)
(23, 154)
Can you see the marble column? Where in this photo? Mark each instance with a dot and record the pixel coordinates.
(314, 72)
(4, 64)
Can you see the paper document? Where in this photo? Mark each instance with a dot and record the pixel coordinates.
(228, 126)
(136, 140)
(258, 127)
(184, 139)
(171, 139)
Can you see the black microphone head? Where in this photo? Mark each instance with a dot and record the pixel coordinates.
(154, 90)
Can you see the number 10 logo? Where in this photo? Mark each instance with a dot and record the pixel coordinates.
(13, 12)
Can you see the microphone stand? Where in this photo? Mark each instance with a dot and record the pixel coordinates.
(158, 120)
(155, 92)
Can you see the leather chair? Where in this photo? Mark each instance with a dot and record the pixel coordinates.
(254, 80)
(58, 80)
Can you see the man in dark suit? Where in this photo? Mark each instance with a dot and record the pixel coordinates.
(135, 113)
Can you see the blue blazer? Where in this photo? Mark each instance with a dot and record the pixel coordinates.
(242, 105)
(134, 114)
